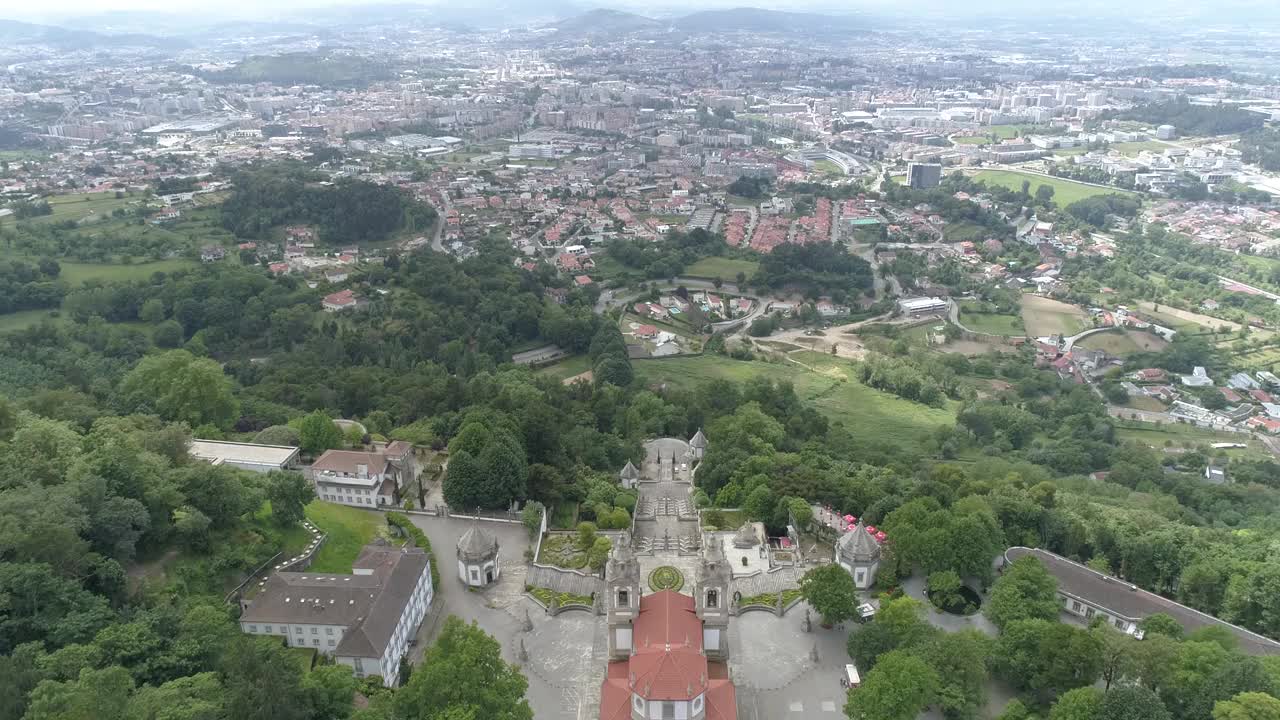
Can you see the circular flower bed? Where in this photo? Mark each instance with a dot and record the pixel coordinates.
(665, 578)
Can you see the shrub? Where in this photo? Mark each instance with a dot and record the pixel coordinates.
(419, 538)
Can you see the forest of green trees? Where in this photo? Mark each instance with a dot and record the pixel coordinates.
(1194, 119)
(343, 211)
(100, 406)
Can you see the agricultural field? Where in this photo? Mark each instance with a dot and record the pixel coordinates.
(1123, 342)
(1177, 437)
(1263, 359)
(866, 412)
(1043, 316)
(1065, 191)
(83, 207)
(726, 269)
(1185, 320)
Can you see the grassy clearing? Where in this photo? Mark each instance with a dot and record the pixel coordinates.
(305, 657)
(84, 206)
(293, 540)
(24, 319)
(78, 273)
(1123, 342)
(1043, 316)
(971, 140)
(1181, 436)
(866, 412)
(726, 269)
(567, 368)
(959, 232)
(991, 323)
(349, 529)
(1065, 192)
(1142, 402)
(722, 519)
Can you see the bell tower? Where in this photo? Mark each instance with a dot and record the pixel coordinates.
(622, 601)
(712, 599)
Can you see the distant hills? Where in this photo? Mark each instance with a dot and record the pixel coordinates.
(744, 19)
(602, 20)
(13, 32)
(750, 19)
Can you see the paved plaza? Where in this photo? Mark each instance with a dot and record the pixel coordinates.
(781, 671)
(566, 654)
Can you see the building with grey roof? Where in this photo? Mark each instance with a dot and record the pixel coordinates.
(1088, 594)
(246, 456)
(364, 620)
(859, 553)
(698, 445)
(629, 475)
(477, 558)
(364, 478)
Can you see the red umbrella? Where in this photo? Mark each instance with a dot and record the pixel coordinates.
(871, 529)
(881, 536)
(850, 519)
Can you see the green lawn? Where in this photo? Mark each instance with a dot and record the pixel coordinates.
(992, 323)
(349, 529)
(971, 140)
(77, 273)
(567, 368)
(24, 319)
(293, 540)
(868, 413)
(726, 269)
(827, 167)
(1065, 192)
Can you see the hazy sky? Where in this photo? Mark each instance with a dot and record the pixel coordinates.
(197, 11)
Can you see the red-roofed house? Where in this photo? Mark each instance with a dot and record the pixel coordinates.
(1264, 424)
(582, 280)
(1261, 396)
(341, 300)
(645, 331)
(668, 650)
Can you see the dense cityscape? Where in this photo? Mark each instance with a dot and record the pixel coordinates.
(406, 362)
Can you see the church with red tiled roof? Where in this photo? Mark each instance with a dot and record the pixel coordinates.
(669, 653)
